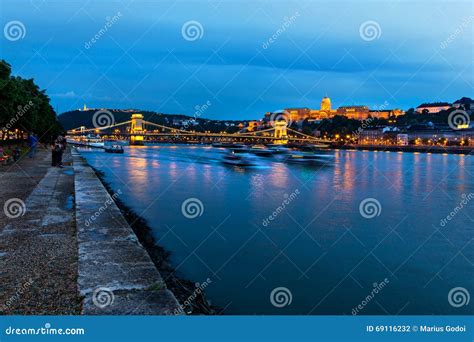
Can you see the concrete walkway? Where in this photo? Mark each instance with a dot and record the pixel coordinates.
(38, 248)
(116, 274)
(66, 249)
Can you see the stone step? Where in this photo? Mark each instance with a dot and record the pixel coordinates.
(116, 274)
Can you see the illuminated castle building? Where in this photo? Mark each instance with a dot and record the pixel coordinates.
(326, 112)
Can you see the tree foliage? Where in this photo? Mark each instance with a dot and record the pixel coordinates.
(24, 106)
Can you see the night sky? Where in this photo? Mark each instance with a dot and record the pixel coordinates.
(410, 52)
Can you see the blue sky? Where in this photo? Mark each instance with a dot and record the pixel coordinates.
(421, 51)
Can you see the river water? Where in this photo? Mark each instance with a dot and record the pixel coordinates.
(280, 238)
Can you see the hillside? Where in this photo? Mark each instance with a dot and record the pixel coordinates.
(78, 118)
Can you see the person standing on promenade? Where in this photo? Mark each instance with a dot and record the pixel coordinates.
(32, 142)
(16, 154)
(62, 146)
(56, 153)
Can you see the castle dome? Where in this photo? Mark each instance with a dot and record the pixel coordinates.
(326, 103)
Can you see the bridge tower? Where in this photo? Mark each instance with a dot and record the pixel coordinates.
(136, 130)
(280, 132)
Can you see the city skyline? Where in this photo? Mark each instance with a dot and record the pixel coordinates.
(316, 106)
(265, 59)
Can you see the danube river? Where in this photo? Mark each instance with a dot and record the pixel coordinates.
(280, 238)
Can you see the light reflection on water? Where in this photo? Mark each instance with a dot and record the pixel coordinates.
(319, 246)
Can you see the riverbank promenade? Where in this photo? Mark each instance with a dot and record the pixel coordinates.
(55, 260)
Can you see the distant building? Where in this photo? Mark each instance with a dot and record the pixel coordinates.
(354, 112)
(433, 108)
(464, 103)
(297, 114)
(325, 111)
(386, 113)
(253, 125)
(371, 136)
(402, 139)
(326, 104)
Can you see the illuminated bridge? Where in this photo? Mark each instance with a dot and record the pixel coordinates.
(137, 131)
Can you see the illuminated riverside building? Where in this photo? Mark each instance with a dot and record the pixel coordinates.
(253, 125)
(432, 108)
(354, 112)
(385, 114)
(420, 136)
(326, 112)
(363, 112)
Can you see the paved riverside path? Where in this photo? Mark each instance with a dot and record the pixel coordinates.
(116, 274)
(52, 262)
(38, 249)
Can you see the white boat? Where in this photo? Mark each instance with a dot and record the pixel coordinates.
(88, 140)
(94, 141)
(261, 150)
(240, 149)
(240, 159)
(308, 159)
(278, 149)
(114, 149)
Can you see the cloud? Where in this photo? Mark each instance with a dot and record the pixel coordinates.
(67, 95)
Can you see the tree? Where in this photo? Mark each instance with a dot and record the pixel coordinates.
(24, 106)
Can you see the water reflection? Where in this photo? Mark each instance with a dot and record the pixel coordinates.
(320, 230)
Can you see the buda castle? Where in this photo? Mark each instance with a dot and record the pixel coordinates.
(326, 112)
